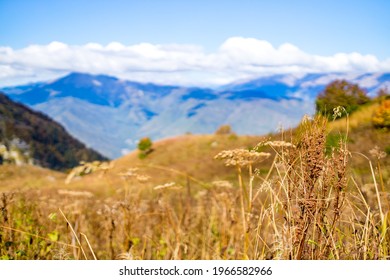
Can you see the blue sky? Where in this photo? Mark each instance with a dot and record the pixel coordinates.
(317, 28)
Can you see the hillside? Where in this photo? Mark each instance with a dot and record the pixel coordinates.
(27, 177)
(43, 140)
(185, 160)
(191, 157)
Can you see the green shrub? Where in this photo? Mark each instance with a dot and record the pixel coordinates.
(144, 147)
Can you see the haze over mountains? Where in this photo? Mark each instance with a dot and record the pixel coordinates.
(110, 115)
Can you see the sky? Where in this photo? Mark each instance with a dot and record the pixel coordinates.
(195, 42)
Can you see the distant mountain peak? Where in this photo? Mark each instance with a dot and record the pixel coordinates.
(85, 78)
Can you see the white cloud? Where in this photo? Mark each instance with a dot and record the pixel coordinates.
(237, 58)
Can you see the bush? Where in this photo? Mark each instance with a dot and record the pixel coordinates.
(381, 117)
(145, 147)
(340, 93)
(224, 130)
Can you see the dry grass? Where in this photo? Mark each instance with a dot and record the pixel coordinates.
(361, 117)
(362, 138)
(304, 202)
(28, 177)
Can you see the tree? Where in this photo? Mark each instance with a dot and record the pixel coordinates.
(340, 93)
(381, 117)
(144, 147)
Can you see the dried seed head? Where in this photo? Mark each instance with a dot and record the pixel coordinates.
(87, 168)
(306, 119)
(76, 193)
(222, 184)
(377, 153)
(276, 144)
(170, 185)
(241, 157)
(133, 173)
(129, 173)
(337, 112)
(142, 178)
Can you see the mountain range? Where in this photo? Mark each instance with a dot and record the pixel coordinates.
(110, 115)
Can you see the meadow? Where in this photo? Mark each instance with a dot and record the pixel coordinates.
(319, 191)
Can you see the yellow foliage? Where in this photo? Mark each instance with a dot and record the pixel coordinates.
(381, 117)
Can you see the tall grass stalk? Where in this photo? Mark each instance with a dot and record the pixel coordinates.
(74, 234)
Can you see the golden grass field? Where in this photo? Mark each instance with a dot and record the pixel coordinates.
(320, 191)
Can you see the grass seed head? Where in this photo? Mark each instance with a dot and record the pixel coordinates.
(277, 144)
(377, 153)
(241, 157)
(222, 184)
(170, 185)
